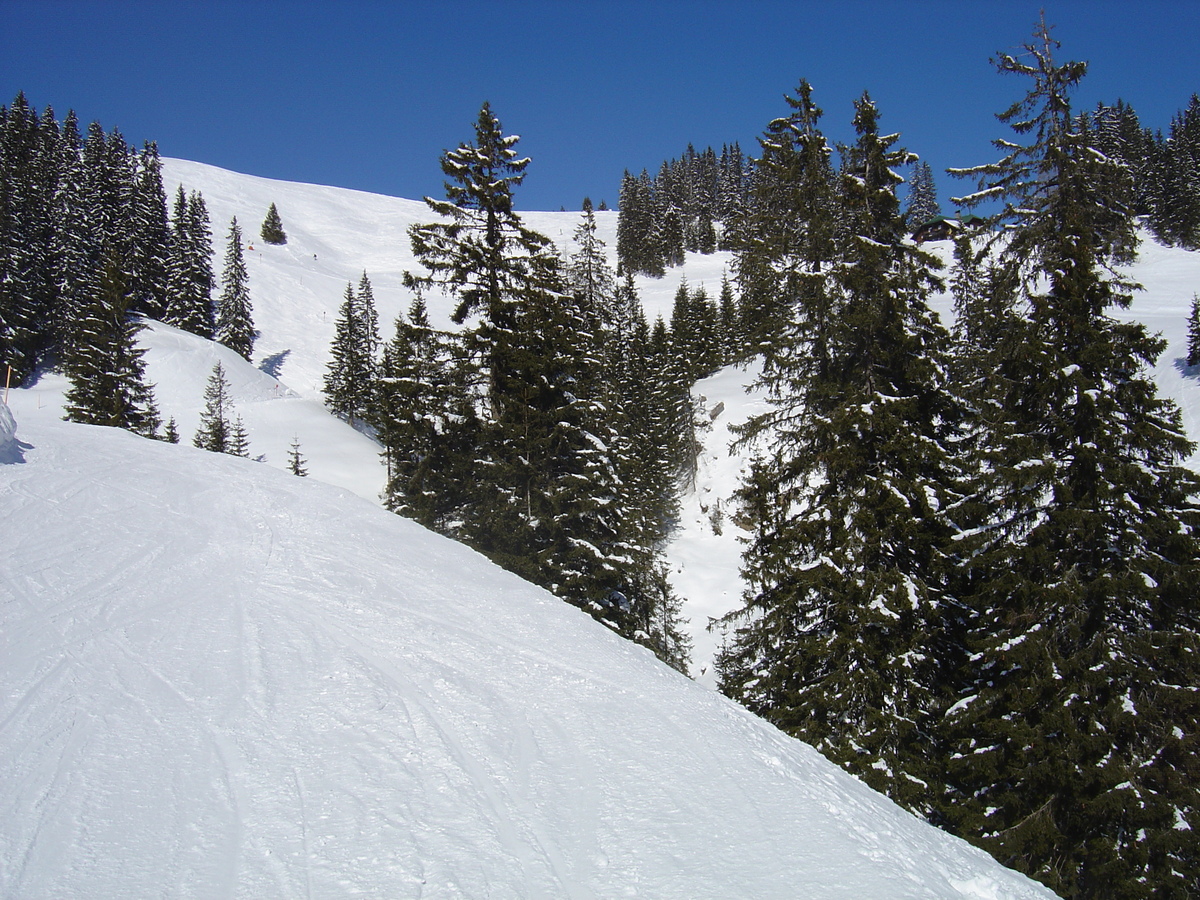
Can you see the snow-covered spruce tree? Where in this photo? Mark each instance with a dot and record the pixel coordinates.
(350, 380)
(729, 324)
(73, 246)
(555, 499)
(234, 325)
(272, 227)
(108, 184)
(216, 431)
(639, 227)
(1074, 739)
(845, 640)
(1120, 136)
(589, 276)
(1175, 195)
(27, 184)
(541, 499)
(105, 364)
(426, 421)
(149, 248)
(1193, 355)
(694, 335)
(922, 196)
(368, 319)
(784, 238)
(189, 266)
(609, 396)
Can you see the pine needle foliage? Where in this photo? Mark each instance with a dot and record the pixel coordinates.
(844, 638)
(272, 227)
(1072, 744)
(216, 429)
(105, 365)
(1193, 353)
(234, 323)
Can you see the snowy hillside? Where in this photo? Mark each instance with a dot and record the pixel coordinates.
(335, 234)
(220, 680)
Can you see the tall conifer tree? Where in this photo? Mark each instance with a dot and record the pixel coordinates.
(104, 364)
(843, 640)
(1073, 744)
(234, 324)
(216, 429)
(350, 381)
(784, 237)
(189, 266)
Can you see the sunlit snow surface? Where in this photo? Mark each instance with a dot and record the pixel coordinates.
(220, 680)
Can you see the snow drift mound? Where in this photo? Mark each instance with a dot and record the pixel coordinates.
(224, 681)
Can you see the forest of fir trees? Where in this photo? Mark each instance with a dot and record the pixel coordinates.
(971, 578)
(89, 251)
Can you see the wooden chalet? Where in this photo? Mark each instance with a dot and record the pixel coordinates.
(945, 227)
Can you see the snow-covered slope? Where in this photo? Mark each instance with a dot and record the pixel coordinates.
(334, 235)
(220, 680)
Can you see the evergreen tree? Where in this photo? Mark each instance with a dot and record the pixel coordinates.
(171, 432)
(272, 227)
(784, 238)
(1193, 356)
(1072, 747)
(844, 640)
(350, 381)
(639, 234)
(589, 275)
(151, 238)
(26, 194)
(105, 364)
(480, 252)
(216, 431)
(426, 421)
(368, 322)
(922, 196)
(74, 245)
(1171, 192)
(526, 419)
(730, 325)
(296, 462)
(239, 439)
(234, 327)
(640, 402)
(189, 267)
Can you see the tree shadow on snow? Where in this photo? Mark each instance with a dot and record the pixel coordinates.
(13, 452)
(273, 364)
(1184, 369)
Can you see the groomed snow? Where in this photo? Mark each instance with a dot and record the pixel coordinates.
(220, 680)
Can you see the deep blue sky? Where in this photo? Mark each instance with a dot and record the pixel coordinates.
(367, 94)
